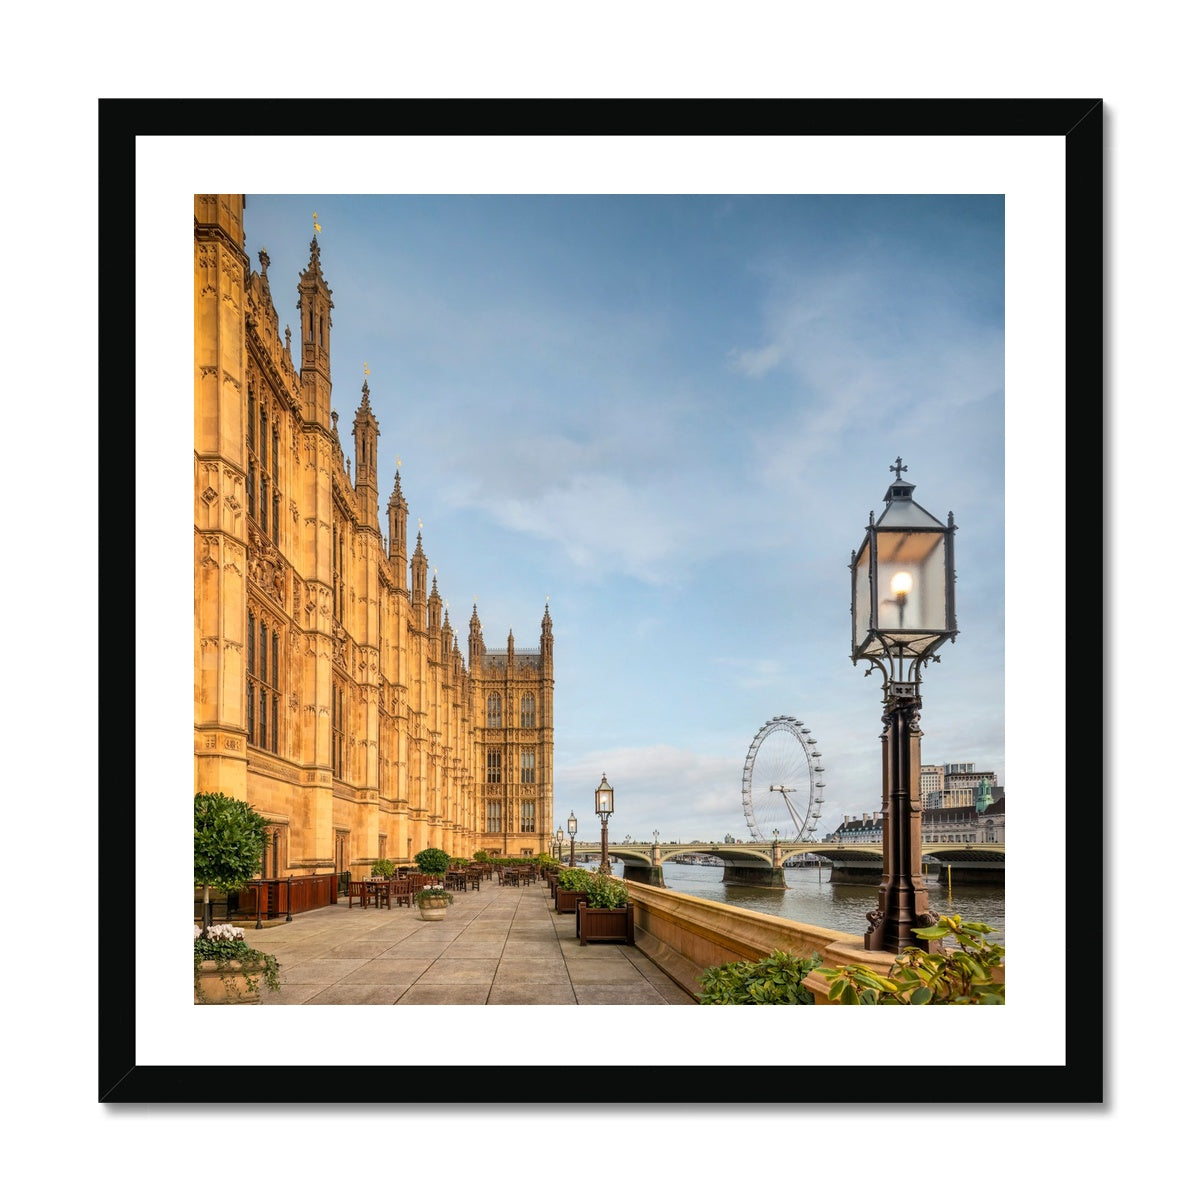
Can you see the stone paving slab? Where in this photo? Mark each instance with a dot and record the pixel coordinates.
(495, 946)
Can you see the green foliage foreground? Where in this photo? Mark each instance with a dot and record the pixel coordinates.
(776, 979)
(970, 973)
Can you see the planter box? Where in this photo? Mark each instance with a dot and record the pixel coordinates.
(227, 983)
(565, 901)
(433, 909)
(604, 924)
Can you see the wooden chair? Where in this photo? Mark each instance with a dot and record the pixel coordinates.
(358, 890)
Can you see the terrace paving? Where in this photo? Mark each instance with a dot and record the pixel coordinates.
(497, 945)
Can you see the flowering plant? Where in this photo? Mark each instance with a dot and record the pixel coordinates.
(433, 893)
(226, 944)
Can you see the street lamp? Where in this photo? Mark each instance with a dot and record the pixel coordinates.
(558, 838)
(572, 829)
(656, 837)
(901, 613)
(604, 809)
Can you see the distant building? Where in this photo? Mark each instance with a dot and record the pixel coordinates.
(867, 828)
(979, 823)
(952, 785)
(960, 804)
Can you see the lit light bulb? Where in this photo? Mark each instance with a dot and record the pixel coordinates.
(902, 583)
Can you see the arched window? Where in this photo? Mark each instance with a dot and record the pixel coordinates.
(493, 710)
(528, 710)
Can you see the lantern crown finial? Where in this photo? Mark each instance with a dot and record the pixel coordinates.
(898, 489)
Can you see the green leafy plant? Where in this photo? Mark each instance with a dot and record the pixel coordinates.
(384, 867)
(603, 891)
(480, 856)
(574, 879)
(970, 973)
(227, 846)
(432, 861)
(427, 895)
(226, 944)
(776, 979)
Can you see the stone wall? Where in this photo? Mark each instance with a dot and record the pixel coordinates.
(684, 935)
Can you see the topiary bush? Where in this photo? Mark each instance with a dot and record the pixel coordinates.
(228, 842)
(384, 867)
(776, 979)
(432, 861)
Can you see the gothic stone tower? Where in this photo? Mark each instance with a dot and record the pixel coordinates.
(513, 701)
(330, 691)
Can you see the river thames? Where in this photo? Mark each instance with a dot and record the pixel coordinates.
(815, 901)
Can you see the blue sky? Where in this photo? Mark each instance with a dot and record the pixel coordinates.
(672, 415)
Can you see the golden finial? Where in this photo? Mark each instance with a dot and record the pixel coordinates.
(366, 369)
(397, 462)
(316, 227)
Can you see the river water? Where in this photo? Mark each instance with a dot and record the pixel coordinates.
(812, 900)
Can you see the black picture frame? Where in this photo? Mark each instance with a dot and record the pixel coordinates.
(1076, 126)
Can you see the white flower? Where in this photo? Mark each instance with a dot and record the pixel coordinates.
(224, 933)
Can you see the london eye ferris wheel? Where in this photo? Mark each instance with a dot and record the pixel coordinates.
(782, 782)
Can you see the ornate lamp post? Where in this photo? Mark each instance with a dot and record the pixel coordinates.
(572, 829)
(604, 809)
(902, 612)
(656, 837)
(558, 840)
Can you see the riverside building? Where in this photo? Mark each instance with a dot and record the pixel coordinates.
(330, 689)
(974, 813)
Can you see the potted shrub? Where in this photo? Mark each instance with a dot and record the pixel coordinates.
(570, 888)
(383, 867)
(432, 861)
(604, 914)
(227, 850)
(433, 902)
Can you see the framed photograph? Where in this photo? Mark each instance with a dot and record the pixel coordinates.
(925, 271)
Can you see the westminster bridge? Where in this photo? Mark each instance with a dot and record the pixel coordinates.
(760, 864)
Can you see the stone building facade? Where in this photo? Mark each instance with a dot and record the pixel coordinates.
(953, 785)
(330, 689)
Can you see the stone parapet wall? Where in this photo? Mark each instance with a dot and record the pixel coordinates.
(684, 935)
